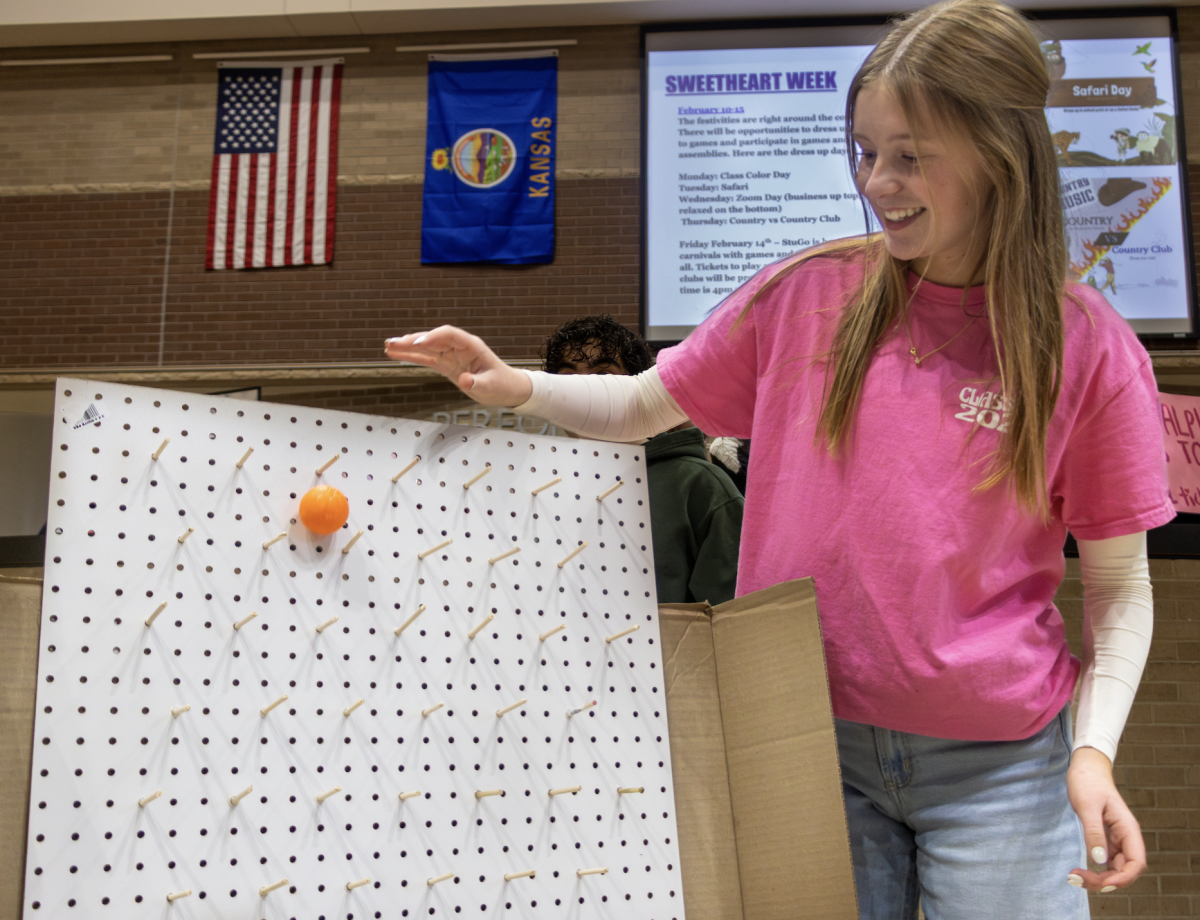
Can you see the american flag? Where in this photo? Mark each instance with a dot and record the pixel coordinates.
(274, 178)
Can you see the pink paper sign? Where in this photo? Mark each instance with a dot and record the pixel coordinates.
(1181, 437)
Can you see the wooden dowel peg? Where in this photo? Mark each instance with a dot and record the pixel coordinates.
(234, 799)
(573, 553)
(245, 457)
(275, 539)
(411, 464)
(324, 795)
(629, 790)
(564, 790)
(324, 626)
(582, 872)
(176, 895)
(187, 533)
(353, 706)
(154, 616)
(409, 622)
(609, 491)
(504, 555)
(484, 793)
(328, 463)
(478, 476)
(474, 632)
(441, 878)
(553, 482)
(425, 713)
(550, 632)
(517, 705)
(177, 711)
(353, 540)
(404, 796)
(142, 803)
(267, 889)
(358, 883)
(528, 873)
(622, 633)
(584, 708)
(434, 549)
(270, 706)
(161, 448)
(244, 620)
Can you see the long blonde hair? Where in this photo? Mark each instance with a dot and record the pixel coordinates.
(978, 70)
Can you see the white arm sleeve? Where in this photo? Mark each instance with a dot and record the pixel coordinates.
(1118, 618)
(604, 406)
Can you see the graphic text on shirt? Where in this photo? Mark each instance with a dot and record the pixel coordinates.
(983, 408)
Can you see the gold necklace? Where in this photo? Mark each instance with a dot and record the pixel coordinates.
(912, 348)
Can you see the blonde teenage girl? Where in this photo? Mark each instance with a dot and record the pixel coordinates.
(937, 407)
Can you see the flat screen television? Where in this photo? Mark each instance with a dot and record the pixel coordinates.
(744, 160)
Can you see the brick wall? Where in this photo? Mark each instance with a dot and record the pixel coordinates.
(115, 126)
(89, 158)
(1158, 764)
(82, 281)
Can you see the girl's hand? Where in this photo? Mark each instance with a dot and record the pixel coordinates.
(468, 363)
(1110, 830)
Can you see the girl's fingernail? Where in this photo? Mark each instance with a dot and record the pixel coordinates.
(1099, 856)
(418, 340)
(1107, 888)
(1075, 880)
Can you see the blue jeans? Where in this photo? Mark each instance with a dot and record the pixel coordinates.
(974, 830)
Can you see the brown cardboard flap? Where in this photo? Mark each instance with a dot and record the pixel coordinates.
(20, 616)
(781, 753)
(707, 851)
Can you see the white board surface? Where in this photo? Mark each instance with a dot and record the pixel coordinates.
(105, 735)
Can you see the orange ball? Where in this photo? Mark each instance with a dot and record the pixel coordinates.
(324, 509)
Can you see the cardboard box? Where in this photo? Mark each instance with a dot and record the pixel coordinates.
(758, 789)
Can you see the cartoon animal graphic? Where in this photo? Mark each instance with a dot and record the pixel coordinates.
(1146, 143)
(1144, 49)
(1125, 142)
(1150, 67)
(1063, 140)
(1055, 64)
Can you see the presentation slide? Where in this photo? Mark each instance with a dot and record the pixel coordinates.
(1112, 118)
(746, 164)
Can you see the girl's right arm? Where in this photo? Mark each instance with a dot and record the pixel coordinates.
(604, 406)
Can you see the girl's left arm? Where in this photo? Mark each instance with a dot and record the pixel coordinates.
(1117, 625)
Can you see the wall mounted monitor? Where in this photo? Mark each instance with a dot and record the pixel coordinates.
(1112, 110)
(744, 160)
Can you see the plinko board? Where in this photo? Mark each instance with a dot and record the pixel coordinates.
(452, 704)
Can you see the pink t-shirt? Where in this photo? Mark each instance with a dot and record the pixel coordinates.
(936, 601)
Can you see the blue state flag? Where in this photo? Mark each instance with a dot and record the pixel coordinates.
(489, 167)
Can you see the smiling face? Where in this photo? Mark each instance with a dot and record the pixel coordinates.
(927, 189)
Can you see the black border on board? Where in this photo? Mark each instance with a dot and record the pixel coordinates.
(1032, 15)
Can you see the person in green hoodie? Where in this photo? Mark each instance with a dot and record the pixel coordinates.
(695, 509)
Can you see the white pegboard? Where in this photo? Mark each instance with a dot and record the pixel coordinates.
(105, 735)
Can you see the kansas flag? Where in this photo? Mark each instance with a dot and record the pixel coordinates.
(489, 168)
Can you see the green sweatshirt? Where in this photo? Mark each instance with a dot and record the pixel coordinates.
(696, 516)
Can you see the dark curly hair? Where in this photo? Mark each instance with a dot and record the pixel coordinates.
(610, 339)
